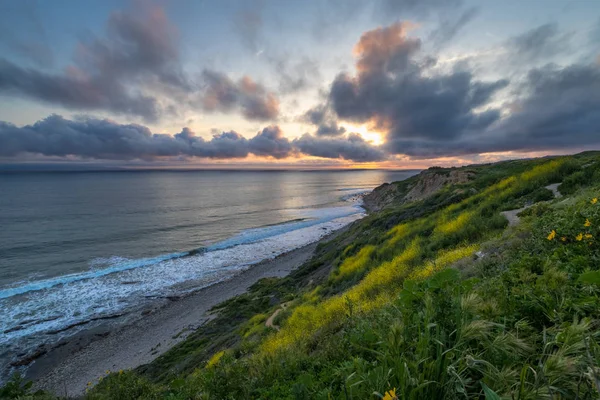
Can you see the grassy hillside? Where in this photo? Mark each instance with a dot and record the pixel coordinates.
(434, 298)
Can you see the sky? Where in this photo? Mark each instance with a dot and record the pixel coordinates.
(297, 84)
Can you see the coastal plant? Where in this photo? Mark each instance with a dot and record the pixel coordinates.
(19, 388)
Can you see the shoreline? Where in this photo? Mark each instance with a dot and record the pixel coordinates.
(67, 368)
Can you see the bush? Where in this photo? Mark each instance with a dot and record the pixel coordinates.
(18, 388)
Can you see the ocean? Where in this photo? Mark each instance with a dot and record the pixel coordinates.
(77, 247)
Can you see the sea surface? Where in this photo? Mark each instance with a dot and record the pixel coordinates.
(77, 247)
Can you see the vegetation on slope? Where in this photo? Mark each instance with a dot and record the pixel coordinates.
(425, 299)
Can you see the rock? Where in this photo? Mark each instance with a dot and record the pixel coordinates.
(40, 351)
(424, 185)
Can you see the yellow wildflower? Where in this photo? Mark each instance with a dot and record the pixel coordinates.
(579, 237)
(390, 395)
(588, 236)
(563, 239)
(120, 372)
(89, 383)
(551, 235)
(594, 200)
(587, 222)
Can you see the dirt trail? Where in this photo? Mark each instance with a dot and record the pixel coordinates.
(554, 189)
(512, 216)
(269, 322)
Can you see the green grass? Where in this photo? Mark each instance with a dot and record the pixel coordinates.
(400, 303)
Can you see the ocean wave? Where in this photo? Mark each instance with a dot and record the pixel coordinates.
(116, 284)
(65, 279)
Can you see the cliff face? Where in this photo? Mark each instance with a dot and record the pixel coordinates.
(416, 188)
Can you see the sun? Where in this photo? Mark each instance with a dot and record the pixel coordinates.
(370, 135)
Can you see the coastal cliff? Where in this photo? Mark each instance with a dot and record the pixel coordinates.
(418, 187)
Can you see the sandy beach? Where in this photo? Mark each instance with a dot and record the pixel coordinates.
(67, 369)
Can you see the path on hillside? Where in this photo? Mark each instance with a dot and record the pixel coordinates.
(554, 189)
(513, 218)
(269, 322)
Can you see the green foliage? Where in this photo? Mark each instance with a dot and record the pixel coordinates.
(18, 388)
(590, 173)
(125, 385)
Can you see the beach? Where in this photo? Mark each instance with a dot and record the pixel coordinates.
(67, 368)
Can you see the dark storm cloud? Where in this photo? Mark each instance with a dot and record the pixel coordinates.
(107, 140)
(223, 94)
(74, 90)
(104, 139)
(541, 42)
(353, 148)
(395, 93)
(323, 118)
(135, 69)
(222, 145)
(560, 109)
(108, 73)
(557, 111)
(271, 142)
(426, 114)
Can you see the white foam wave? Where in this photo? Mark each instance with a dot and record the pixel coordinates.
(51, 305)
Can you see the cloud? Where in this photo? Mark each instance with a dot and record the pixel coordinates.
(75, 90)
(223, 94)
(271, 142)
(449, 27)
(541, 42)
(395, 93)
(110, 73)
(294, 76)
(104, 139)
(222, 145)
(384, 50)
(353, 148)
(135, 69)
(323, 117)
(559, 110)
(91, 138)
(556, 111)
(430, 114)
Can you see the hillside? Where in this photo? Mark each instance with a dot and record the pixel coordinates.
(432, 295)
